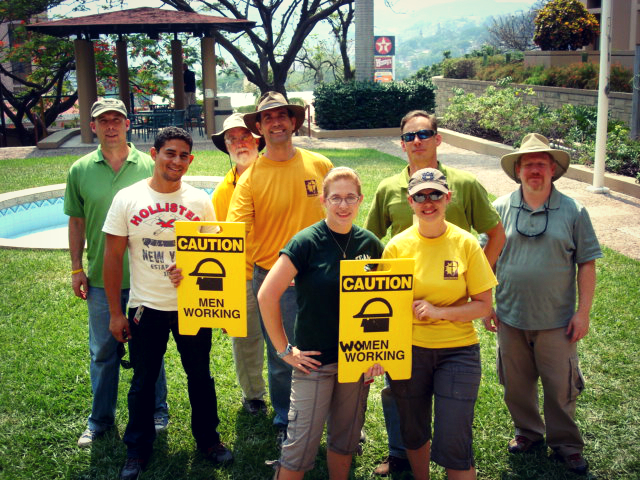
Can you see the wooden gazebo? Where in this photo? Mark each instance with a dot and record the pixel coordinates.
(151, 21)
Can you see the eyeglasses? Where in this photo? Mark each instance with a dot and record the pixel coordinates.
(236, 140)
(533, 235)
(422, 197)
(422, 135)
(349, 199)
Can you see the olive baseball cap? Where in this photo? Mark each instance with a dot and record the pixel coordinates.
(108, 105)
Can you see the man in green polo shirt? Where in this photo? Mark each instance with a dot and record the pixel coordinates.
(469, 208)
(92, 182)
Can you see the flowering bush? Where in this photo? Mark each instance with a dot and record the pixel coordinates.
(565, 25)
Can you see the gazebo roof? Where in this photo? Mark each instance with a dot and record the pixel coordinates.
(140, 20)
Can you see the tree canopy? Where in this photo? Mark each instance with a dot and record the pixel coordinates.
(266, 53)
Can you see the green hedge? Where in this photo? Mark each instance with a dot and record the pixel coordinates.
(350, 105)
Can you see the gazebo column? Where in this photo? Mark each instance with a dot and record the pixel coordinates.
(87, 85)
(178, 76)
(207, 45)
(122, 60)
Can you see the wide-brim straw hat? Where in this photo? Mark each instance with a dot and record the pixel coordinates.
(535, 143)
(235, 120)
(271, 100)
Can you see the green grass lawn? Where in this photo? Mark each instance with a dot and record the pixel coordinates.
(45, 390)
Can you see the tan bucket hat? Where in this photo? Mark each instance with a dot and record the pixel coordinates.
(235, 120)
(534, 143)
(269, 101)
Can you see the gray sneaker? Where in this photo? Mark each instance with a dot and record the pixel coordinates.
(161, 424)
(87, 438)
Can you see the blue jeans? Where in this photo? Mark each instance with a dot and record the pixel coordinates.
(392, 421)
(147, 347)
(279, 371)
(105, 364)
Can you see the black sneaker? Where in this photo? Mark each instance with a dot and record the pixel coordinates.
(255, 406)
(218, 453)
(132, 469)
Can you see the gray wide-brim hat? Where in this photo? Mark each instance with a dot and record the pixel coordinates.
(235, 120)
(269, 101)
(535, 143)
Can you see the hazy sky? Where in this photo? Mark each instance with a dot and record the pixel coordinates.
(400, 6)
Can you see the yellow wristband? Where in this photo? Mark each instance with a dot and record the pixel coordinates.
(73, 272)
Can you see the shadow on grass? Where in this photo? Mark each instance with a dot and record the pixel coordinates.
(538, 464)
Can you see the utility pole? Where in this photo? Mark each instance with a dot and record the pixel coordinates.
(603, 100)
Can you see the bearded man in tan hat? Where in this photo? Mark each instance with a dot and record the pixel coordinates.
(242, 146)
(277, 197)
(551, 247)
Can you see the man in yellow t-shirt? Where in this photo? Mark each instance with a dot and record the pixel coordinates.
(277, 197)
(242, 146)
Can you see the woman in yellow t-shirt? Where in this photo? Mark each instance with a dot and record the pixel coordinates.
(452, 287)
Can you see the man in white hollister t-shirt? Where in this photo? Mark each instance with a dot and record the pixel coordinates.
(141, 218)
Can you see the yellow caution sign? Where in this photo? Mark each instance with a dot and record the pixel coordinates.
(212, 293)
(375, 317)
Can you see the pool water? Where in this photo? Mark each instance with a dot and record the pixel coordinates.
(39, 224)
(33, 217)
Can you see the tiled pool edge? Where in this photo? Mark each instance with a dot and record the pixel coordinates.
(28, 195)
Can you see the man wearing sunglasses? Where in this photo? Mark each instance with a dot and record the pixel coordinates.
(551, 247)
(469, 208)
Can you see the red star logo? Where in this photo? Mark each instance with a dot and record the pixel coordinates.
(383, 45)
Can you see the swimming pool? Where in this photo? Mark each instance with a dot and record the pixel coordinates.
(34, 218)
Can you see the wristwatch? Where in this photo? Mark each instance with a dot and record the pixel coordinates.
(286, 351)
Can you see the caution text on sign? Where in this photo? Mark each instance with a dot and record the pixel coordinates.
(375, 317)
(212, 293)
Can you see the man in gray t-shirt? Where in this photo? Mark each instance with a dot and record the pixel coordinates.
(550, 250)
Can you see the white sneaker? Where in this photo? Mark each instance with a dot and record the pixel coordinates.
(87, 438)
(161, 424)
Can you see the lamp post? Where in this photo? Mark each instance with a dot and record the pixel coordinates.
(603, 100)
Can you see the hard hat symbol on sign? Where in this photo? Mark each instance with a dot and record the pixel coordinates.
(375, 314)
(210, 273)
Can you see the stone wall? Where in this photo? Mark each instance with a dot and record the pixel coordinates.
(557, 59)
(554, 97)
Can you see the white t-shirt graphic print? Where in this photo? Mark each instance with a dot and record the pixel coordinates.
(147, 218)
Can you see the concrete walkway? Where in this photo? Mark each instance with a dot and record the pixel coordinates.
(616, 217)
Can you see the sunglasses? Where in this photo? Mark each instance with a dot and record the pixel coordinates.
(422, 135)
(422, 197)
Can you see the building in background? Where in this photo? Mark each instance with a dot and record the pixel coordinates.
(625, 34)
